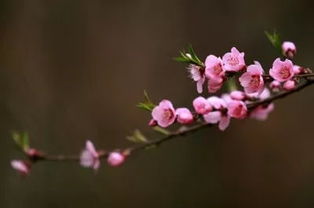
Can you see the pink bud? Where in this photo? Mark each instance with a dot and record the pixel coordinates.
(115, 159)
(288, 49)
(152, 123)
(289, 85)
(23, 167)
(297, 69)
(184, 116)
(275, 85)
(237, 95)
(34, 154)
(201, 105)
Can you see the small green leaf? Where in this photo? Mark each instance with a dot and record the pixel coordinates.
(21, 139)
(274, 39)
(147, 104)
(161, 130)
(137, 137)
(189, 57)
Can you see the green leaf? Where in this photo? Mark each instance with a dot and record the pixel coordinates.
(189, 57)
(147, 104)
(21, 139)
(161, 130)
(137, 137)
(274, 39)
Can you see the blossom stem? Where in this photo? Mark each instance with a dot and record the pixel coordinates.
(181, 131)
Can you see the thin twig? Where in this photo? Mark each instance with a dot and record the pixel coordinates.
(181, 131)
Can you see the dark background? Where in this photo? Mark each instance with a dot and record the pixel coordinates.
(73, 70)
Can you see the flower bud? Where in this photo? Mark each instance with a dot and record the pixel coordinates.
(237, 95)
(22, 167)
(275, 85)
(288, 49)
(152, 123)
(115, 159)
(289, 85)
(184, 116)
(201, 105)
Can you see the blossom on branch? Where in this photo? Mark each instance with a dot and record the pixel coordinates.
(90, 157)
(164, 114)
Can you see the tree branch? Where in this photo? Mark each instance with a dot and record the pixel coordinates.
(181, 131)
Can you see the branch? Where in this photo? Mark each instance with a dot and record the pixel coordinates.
(183, 131)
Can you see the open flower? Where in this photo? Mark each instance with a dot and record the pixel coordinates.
(89, 156)
(237, 109)
(184, 116)
(288, 49)
(198, 76)
(201, 105)
(282, 70)
(252, 80)
(22, 167)
(219, 117)
(261, 112)
(115, 159)
(233, 61)
(164, 114)
(213, 67)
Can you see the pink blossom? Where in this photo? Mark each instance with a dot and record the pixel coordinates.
(213, 67)
(212, 117)
(275, 85)
(288, 49)
(282, 70)
(152, 123)
(164, 113)
(217, 117)
(264, 95)
(217, 103)
(115, 158)
(201, 105)
(214, 84)
(233, 61)
(261, 112)
(198, 76)
(297, 69)
(90, 157)
(289, 85)
(237, 109)
(34, 154)
(237, 95)
(23, 167)
(261, 96)
(184, 116)
(252, 80)
(224, 122)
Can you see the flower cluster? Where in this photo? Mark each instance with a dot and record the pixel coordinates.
(256, 86)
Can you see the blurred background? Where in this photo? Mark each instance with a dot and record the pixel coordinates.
(72, 70)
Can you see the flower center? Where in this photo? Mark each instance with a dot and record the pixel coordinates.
(168, 114)
(255, 80)
(233, 61)
(217, 69)
(284, 72)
